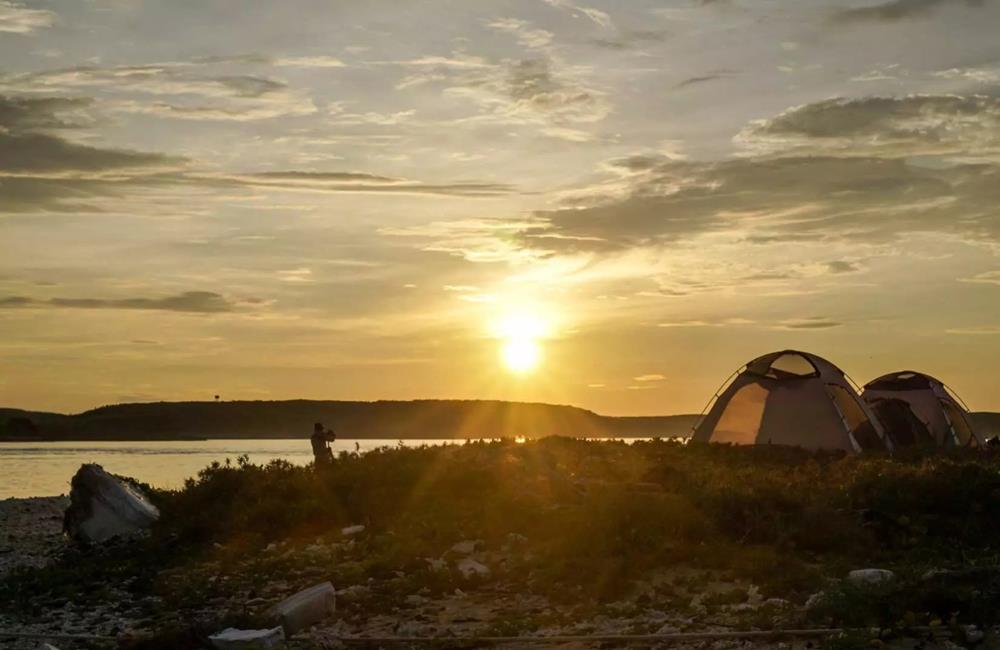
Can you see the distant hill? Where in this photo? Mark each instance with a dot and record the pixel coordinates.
(383, 419)
(987, 423)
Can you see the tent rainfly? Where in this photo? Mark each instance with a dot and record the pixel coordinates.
(792, 398)
(917, 409)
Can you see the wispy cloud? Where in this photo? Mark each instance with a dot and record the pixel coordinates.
(203, 302)
(15, 18)
(596, 16)
(986, 277)
(960, 125)
(811, 323)
(895, 10)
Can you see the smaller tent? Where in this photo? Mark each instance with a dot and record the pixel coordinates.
(917, 409)
(791, 398)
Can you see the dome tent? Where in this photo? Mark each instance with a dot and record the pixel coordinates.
(918, 409)
(791, 398)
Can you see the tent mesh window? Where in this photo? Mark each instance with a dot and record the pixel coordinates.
(959, 424)
(900, 381)
(740, 422)
(789, 366)
(905, 428)
(855, 419)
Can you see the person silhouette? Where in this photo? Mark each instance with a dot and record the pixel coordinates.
(321, 439)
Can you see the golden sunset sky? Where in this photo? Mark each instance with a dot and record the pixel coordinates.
(609, 204)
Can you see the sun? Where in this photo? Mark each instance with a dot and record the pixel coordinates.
(521, 355)
(521, 332)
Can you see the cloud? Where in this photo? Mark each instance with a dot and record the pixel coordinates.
(895, 10)
(36, 153)
(34, 113)
(725, 322)
(310, 62)
(528, 36)
(649, 377)
(202, 302)
(178, 89)
(529, 92)
(987, 277)
(959, 125)
(354, 182)
(842, 266)
(39, 171)
(984, 330)
(811, 323)
(700, 79)
(596, 16)
(819, 198)
(18, 19)
(629, 38)
(22, 194)
(531, 83)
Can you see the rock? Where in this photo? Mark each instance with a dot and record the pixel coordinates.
(467, 547)
(102, 507)
(233, 639)
(436, 564)
(815, 600)
(470, 567)
(867, 577)
(354, 592)
(352, 530)
(972, 633)
(306, 608)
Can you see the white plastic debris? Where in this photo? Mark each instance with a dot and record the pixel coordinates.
(233, 639)
(470, 567)
(865, 577)
(352, 530)
(306, 608)
(102, 507)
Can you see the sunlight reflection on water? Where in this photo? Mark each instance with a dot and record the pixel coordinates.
(45, 468)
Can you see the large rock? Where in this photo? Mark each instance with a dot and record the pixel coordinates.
(102, 507)
(306, 608)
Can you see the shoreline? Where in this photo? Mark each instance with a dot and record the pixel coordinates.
(31, 531)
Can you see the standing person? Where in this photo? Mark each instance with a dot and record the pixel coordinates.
(320, 440)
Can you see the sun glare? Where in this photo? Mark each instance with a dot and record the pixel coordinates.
(521, 333)
(521, 355)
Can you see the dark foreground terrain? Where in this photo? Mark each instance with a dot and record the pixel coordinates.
(557, 536)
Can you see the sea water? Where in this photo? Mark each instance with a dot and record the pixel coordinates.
(30, 469)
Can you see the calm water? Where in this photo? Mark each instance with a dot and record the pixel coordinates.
(29, 469)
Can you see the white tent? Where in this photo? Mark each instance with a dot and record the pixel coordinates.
(791, 398)
(918, 409)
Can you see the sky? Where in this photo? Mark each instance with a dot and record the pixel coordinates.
(607, 204)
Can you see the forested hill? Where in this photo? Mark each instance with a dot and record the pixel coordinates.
(382, 419)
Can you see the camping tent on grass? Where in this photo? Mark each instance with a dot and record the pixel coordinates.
(791, 398)
(917, 409)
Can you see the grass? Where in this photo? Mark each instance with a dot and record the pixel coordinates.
(583, 524)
